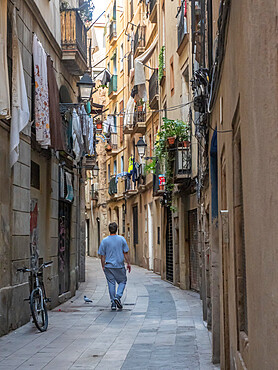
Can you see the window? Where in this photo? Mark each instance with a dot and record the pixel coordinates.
(122, 164)
(121, 106)
(121, 57)
(146, 219)
(115, 119)
(158, 235)
(35, 175)
(109, 175)
(172, 78)
(115, 167)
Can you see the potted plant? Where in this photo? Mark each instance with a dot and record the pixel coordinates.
(182, 133)
(140, 105)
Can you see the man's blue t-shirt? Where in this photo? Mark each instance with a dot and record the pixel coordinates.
(113, 248)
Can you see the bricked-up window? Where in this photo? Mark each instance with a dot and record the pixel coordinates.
(35, 175)
(239, 236)
(172, 76)
(121, 107)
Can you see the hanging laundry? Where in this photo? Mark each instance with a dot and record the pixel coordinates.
(91, 137)
(130, 164)
(4, 75)
(55, 118)
(139, 76)
(129, 113)
(20, 107)
(84, 118)
(77, 136)
(106, 77)
(70, 194)
(41, 95)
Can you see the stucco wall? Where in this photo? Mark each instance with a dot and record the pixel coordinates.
(249, 91)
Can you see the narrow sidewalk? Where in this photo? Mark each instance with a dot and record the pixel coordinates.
(160, 327)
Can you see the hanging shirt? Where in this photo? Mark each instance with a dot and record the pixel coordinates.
(77, 136)
(41, 94)
(20, 107)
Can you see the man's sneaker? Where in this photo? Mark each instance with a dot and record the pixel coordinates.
(113, 306)
(118, 302)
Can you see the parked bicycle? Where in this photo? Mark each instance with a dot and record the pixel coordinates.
(38, 297)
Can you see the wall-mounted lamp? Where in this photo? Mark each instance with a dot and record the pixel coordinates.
(85, 87)
(141, 147)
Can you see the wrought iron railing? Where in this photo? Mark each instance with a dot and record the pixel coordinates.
(183, 159)
(112, 84)
(73, 32)
(112, 29)
(153, 85)
(139, 115)
(139, 38)
(113, 186)
(182, 25)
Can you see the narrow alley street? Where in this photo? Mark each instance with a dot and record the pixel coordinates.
(160, 327)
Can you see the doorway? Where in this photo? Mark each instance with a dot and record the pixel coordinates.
(64, 246)
(169, 246)
(194, 261)
(150, 235)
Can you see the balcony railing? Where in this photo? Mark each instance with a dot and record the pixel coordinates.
(153, 90)
(112, 84)
(182, 161)
(139, 115)
(139, 40)
(73, 34)
(113, 30)
(182, 25)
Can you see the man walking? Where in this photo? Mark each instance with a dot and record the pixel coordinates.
(113, 251)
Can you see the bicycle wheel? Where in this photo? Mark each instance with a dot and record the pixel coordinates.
(38, 310)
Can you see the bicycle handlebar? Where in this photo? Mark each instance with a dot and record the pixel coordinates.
(25, 269)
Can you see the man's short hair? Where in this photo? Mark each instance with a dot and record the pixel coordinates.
(113, 227)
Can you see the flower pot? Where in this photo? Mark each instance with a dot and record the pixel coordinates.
(108, 147)
(161, 187)
(186, 143)
(171, 140)
(99, 125)
(139, 108)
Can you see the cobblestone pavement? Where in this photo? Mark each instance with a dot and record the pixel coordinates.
(160, 327)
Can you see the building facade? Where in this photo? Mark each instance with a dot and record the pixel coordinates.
(41, 209)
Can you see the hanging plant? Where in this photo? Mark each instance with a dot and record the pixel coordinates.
(161, 63)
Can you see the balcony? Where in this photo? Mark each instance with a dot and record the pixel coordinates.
(113, 32)
(139, 120)
(112, 88)
(182, 29)
(153, 90)
(130, 188)
(182, 162)
(73, 42)
(157, 190)
(153, 11)
(139, 41)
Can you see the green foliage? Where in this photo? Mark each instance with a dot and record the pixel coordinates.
(161, 63)
(150, 167)
(170, 128)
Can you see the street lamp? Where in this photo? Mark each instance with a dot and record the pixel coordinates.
(141, 147)
(85, 86)
(95, 170)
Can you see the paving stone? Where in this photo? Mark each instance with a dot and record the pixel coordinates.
(160, 327)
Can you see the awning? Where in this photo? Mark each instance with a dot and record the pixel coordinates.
(139, 74)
